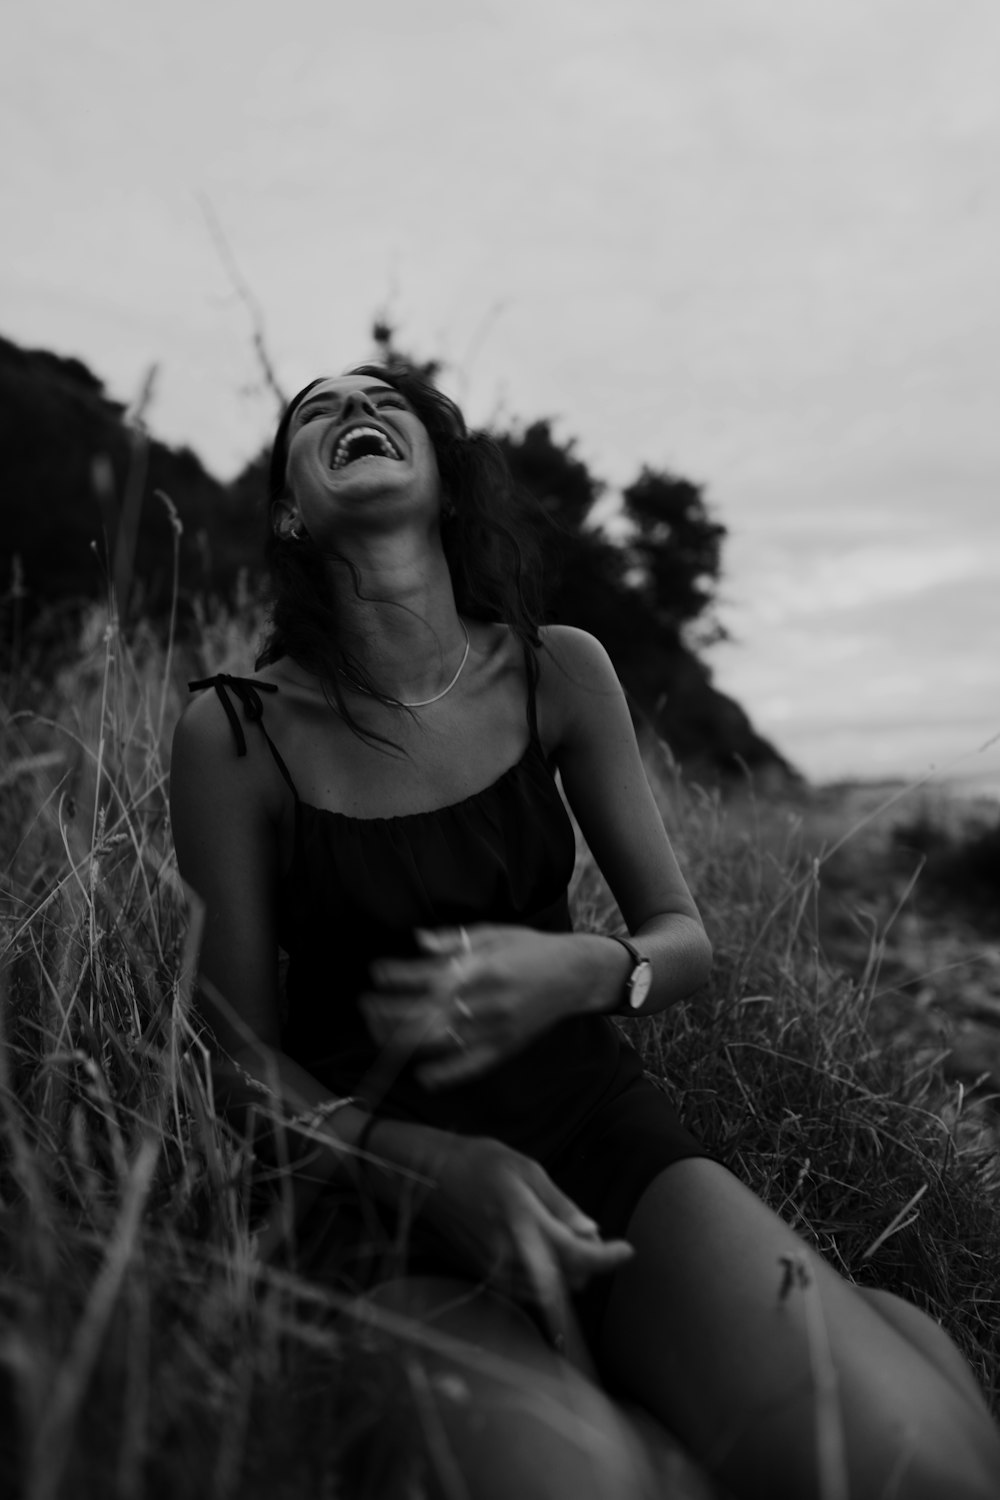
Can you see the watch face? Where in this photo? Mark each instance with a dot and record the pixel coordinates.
(642, 978)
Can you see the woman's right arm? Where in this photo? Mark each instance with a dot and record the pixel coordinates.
(225, 814)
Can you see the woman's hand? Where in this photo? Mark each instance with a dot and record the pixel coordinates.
(480, 995)
(515, 1228)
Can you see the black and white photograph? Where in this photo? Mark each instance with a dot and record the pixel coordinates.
(500, 750)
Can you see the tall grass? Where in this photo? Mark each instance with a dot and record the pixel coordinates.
(144, 1349)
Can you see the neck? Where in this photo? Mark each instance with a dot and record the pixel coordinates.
(399, 622)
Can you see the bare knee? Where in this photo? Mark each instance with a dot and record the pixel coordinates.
(461, 1390)
(430, 1307)
(929, 1338)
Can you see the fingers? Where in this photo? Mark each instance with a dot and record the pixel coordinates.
(444, 940)
(575, 1237)
(581, 1258)
(560, 1206)
(478, 937)
(572, 1237)
(413, 975)
(427, 1027)
(545, 1281)
(407, 1025)
(459, 1065)
(418, 1009)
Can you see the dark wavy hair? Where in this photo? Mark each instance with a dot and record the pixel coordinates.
(490, 531)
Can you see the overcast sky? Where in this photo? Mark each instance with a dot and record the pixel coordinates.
(755, 241)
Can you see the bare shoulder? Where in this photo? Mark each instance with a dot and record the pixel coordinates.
(577, 680)
(206, 745)
(203, 727)
(204, 716)
(577, 654)
(202, 720)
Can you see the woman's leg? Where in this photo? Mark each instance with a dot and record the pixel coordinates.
(929, 1337)
(773, 1369)
(473, 1395)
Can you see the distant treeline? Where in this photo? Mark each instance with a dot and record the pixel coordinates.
(79, 483)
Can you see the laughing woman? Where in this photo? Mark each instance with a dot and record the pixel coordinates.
(483, 1152)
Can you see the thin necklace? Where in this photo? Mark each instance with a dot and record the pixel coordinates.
(421, 702)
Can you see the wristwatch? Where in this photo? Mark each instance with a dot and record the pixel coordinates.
(641, 977)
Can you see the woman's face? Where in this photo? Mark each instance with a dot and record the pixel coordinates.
(358, 456)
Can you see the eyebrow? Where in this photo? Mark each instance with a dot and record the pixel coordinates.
(368, 390)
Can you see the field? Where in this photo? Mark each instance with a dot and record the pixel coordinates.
(841, 1060)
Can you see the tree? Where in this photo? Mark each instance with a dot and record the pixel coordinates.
(66, 459)
(676, 551)
(551, 472)
(388, 353)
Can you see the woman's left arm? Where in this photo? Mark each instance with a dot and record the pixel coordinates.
(605, 784)
(482, 994)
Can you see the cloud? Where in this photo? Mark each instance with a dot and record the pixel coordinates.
(895, 682)
(860, 576)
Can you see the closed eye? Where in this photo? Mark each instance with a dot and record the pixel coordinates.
(310, 412)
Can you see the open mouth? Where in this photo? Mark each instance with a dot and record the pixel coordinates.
(363, 442)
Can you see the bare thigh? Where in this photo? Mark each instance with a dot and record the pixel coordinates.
(473, 1402)
(771, 1367)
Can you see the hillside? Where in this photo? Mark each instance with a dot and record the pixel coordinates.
(68, 458)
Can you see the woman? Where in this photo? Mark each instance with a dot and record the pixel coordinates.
(379, 801)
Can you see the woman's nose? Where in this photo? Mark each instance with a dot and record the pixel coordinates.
(355, 402)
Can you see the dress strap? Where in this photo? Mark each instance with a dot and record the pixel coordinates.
(248, 692)
(531, 673)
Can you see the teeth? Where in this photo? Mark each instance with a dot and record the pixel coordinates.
(341, 454)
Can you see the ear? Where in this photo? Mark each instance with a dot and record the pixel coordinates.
(285, 521)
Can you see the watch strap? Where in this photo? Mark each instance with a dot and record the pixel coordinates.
(638, 959)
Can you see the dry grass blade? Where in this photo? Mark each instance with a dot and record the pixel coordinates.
(52, 1440)
(902, 1220)
(28, 765)
(831, 1454)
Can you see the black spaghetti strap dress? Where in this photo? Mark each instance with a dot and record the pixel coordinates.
(575, 1099)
